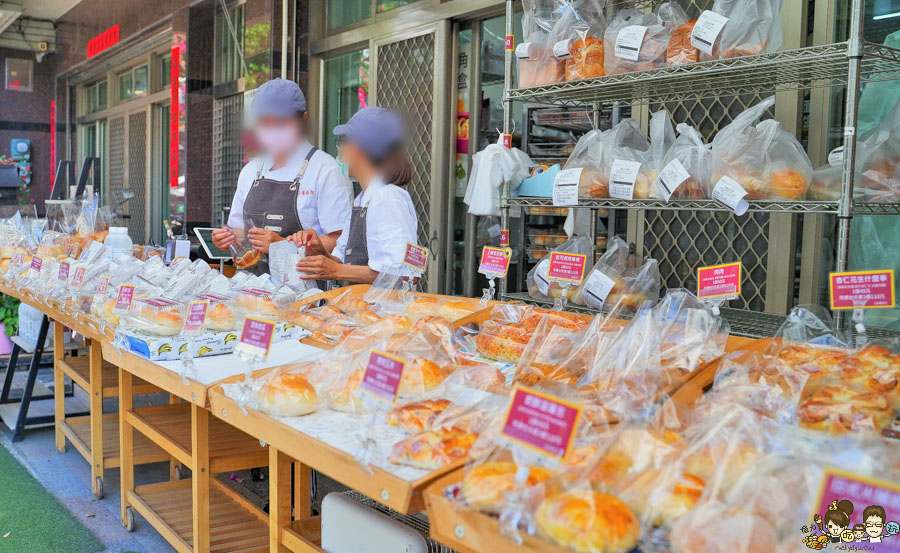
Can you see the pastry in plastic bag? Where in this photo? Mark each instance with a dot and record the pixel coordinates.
(680, 50)
(587, 521)
(753, 27)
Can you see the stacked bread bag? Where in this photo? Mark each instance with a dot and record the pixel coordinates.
(612, 282)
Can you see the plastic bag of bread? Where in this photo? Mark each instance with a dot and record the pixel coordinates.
(627, 150)
(635, 41)
(662, 137)
(536, 63)
(588, 156)
(296, 389)
(540, 285)
(548, 356)
(763, 158)
(689, 166)
(750, 27)
(582, 47)
(680, 50)
(691, 332)
(612, 284)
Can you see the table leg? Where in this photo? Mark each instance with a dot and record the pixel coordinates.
(200, 477)
(279, 497)
(302, 487)
(175, 468)
(95, 366)
(126, 441)
(59, 390)
(10, 373)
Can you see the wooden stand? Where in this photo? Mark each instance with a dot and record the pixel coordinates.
(199, 515)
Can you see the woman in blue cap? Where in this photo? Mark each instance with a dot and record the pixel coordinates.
(383, 219)
(292, 186)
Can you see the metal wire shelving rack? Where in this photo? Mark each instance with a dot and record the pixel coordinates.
(850, 64)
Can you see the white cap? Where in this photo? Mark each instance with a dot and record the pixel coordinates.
(118, 230)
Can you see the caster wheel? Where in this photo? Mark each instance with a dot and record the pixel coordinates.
(129, 519)
(99, 493)
(178, 473)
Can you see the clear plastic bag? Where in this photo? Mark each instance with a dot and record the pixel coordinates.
(767, 161)
(613, 285)
(539, 284)
(651, 37)
(584, 47)
(753, 27)
(694, 156)
(536, 63)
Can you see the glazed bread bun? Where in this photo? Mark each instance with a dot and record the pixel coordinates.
(722, 463)
(706, 528)
(398, 323)
(420, 376)
(334, 328)
(453, 310)
(365, 316)
(484, 486)
(328, 312)
(260, 305)
(353, 304)
(422, 307)
(306, 321)
(344, 399)
(661, 497)
(220, 317)
(4, 264)
(287, 395)
(593, 184)
(586, 521)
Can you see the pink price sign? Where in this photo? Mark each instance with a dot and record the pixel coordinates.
(256, 336)
(63, 271)
(416, 257)
(103, 285)
(78, 277)
(506, 140)
(504, 238)
(870, 289)
(196, 316)
(541, 422)
(719, 281)
(125, 296)
(382, 376)
(567, 266)
(871, 507)
(509, 43)
(19, 258)
(36, 263)
(494, 261)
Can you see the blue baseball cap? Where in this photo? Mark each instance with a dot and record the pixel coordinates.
(277, 98)
(375, 130)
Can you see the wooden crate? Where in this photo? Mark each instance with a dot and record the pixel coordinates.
(401, 495)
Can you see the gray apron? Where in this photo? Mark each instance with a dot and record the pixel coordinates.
(272, 205)
(357, 251)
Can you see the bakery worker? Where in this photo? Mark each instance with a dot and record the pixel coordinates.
(383, 218)
(292, 185)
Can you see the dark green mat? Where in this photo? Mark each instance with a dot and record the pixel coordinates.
(32, 520)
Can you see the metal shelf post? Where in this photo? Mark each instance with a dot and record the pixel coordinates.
(507, 113)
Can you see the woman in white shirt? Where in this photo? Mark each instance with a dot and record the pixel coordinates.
(383, 219)
(292, 186)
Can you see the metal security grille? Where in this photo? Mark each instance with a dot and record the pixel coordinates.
(116, 160)
(682, 241)
(137, 176)
(227, 151)
(405, 84)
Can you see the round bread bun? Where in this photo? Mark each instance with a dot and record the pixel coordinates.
(586, 521)
(420, 376)
(422, 307)
(328, 312)
(365, 316)
(661, 497)
(706, 528)
(353, 304)
(484, 486)
(593, 184)
(453, 310)
(334, 328)
(430, 321)
(398, 323)
(307, 321)
(256, 304)
(345, 398)
(220, 317)
(723, 462)
(396, 342)
(287, 395)
(4, 264)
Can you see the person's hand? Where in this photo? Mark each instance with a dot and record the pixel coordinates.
(223, 238)
(310, 240)
(318, 267)
(260, 239)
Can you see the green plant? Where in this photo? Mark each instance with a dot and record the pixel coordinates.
(9, 314)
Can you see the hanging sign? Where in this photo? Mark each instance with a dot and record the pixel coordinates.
(416, 257)
(495, 261)
(541, 422)
(382, 376)
(256, 337)
(719, 281)
(869, 289)
(103, 41)
(567, 266)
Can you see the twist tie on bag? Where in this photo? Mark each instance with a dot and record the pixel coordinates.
(488, 293)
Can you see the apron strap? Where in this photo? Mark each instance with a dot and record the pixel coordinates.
(259, 171)
(302, 171)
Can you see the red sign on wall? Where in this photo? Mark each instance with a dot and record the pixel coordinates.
(174, 111)
(103, 41)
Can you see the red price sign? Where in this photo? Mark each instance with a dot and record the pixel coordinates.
(870, 289)
(103, 285)
(541, 422)
(196, 316)
(506, 140)
(125, 296)
(719, 281)
(382, 376)
(159, 302)
(504, 238)
(509, 43)
(78, 277)
(19, 258)
(63, 271)
(567, 266)
(256, 336)
(36, 263)
(495, 261)
(416, 257)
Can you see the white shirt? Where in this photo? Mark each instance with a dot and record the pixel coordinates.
(391, 222)
(323, 197)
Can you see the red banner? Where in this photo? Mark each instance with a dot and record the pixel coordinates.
(174, 110)
(103, 41)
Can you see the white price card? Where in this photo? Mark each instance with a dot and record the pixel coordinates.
(628, 42)
(836, 157)
(621, 178)
(494, 231)
(731, 194)
(706, 30)
(596, 289)
(670, 178)
(540, 278)
(524, 50)
(565, 186)
(562, 50)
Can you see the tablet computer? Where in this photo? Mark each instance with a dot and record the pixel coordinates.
(206, 241)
